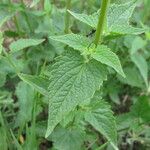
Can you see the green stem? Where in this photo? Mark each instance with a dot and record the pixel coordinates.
(101, 21)
(67, 16)
(17, 24)
(26, 16)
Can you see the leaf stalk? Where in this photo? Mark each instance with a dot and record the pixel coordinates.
(67, 16)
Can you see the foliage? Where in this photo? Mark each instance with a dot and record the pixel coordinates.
(74, 75)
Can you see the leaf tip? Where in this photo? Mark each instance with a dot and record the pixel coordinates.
(48, 132)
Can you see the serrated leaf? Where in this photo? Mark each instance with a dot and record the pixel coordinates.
(72, 81)
(120, 14)
(141, 64)
(68, 139)
(126, 29)
(101, 118)
(90, 20)
(24, 43)
(39, 83)
(104, 55)
(78, 42)
(117, 19)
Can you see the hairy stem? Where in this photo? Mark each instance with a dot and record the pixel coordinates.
(67, 16)
(101, 21)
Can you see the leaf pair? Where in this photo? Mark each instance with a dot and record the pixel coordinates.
(117, 20)
(102, 53)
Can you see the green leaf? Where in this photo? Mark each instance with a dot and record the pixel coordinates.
(101, 118)
(102, 54)
(24, 43)
(141, 109)
(75, 41)
(90, 20)
(69, 85)
(125, 121)
(25, 95)
(126, 29)
(117, 19)
(39, 83)
(141, 63)
(106, 56)
(133, 77)
(139, 114)
(1, 42)
(120, 14)
(137, 43)
(68, 139)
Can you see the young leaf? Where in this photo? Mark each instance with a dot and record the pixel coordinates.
(72, 81)
(75, 41)
(39, 83)
(101, 118)
(141, 63)
(106, 56)
(24, 43)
